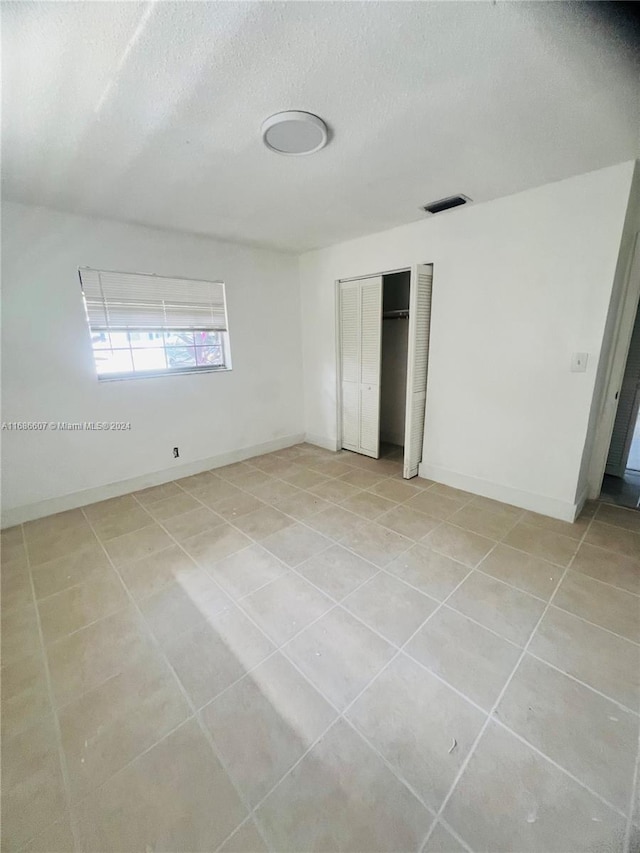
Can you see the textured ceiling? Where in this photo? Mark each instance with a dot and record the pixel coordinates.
(151, 112)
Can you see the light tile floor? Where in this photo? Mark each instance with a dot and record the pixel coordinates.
(305, 652)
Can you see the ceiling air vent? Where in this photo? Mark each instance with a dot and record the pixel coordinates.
(446, 203)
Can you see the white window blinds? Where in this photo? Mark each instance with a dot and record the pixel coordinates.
(117, 301)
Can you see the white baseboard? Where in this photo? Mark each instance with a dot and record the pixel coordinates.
(580, 502)
(322, 441)
(552, 507)
(28, 512)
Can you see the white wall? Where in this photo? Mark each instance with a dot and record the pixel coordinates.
(519, 284)
(617, 337)
(48, 372)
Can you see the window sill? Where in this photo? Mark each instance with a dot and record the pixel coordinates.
(119, 377)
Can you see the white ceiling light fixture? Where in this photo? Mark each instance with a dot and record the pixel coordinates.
(294, 133)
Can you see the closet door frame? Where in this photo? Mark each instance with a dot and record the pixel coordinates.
(629, 304)
(338, 341)
(419, 341)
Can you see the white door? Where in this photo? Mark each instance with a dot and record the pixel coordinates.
(417, 366)
(350, 343)
(361, 346)
(627, 412)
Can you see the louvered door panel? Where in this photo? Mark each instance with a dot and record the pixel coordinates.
(370, 420)
(627, 411)
(351, 416)
(371, 331)
(414, 423)
(417, 366)
(350, 331)
(350, 357)
(370, 365)
(361, 344)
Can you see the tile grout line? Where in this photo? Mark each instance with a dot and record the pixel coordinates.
(187, 698)
(400, 647)
(302, 522)
(492, 631)
(596, 517)
(258, 542)
(564, 770)
(339, 541)
(561, 568)
(349, 722)
(282, 649)
(284, 652)
(595, 625)
(294, 569)
(519, 516)
(341, 714)
(502, 692)
(621, 705)
(90, 624)
(634, 800)
(516, 520)
(610, 525)
(337, 602)
(636, 595)
(249, 616)
(54, 712)
(336, 541)
(420, 542)
(251, 821)
(192, 715)
(341, 605)
(289, 568)
(634, 789)
(442, 822)
(232, 601)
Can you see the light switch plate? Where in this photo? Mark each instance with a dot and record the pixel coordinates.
(579, 362)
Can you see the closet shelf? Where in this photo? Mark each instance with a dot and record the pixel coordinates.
(396, 315)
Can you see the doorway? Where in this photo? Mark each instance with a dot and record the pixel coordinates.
(621, 483)
(384, 327)
(395, 350)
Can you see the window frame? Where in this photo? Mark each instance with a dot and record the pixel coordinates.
(166, 371)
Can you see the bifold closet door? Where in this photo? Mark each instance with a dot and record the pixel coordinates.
(417, 366)
(361, 347)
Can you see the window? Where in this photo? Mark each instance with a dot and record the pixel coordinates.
(148, 325)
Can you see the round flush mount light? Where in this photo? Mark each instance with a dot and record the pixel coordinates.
(294, 133)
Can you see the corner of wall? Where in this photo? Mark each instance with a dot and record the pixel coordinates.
(322, 441)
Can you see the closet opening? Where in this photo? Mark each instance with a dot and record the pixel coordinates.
(384, 327)
(614, 476)
(395, 349)
(621, 482)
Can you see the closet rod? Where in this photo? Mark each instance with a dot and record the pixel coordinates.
(395, 315)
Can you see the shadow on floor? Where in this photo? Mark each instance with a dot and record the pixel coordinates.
(623, 491)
